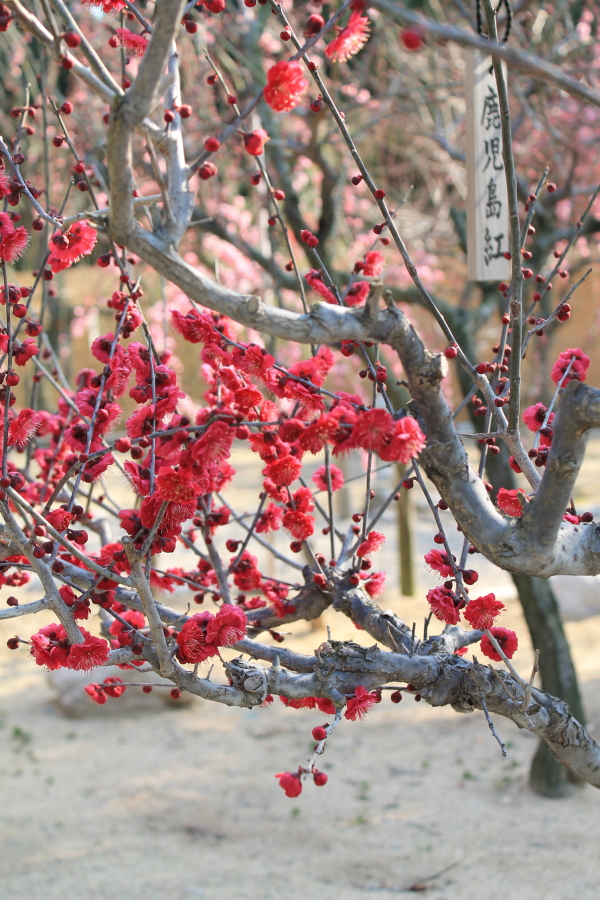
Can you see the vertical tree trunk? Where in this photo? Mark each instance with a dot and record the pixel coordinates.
(557, 672)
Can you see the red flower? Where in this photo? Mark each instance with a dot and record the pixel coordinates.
(66, 248)
(375, 541)
(227, 627)
(506, 638)
(270, 519)
(23, 428)
(96, 693)
(508, 502)
(59, 519)
(193, 647)
(322, 431)
(132, 42)
(290, 783)
(50, 647)
(442, 602)
(180, 485)
(323, 705)
(285, 86)
(5, 188)
(358, 293)
(375, 585)
(359, 705)
(253, 360)
(350, 40)
(534, 416)
(374, 263)
(300, 525)
(304, 500)
(22, 353)
(336, 477)
(406, 440)
(439, 562)
(106, 5)
(372, 429)
(284, 471)
(91, 653)
(114, 686)
(196, 327)
(133, 617)
(482, 611)
(579, 367)
(13, 245)
(319, 287)
(6, 227)
(254, 143)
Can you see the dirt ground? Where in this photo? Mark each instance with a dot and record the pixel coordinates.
(150, 800)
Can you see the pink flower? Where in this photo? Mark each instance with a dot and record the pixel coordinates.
(290, 783)
(227, 627)
(439, 562)
(336, 477)
(285, 86)
(358, 706)
(13, 245)
(22, 429)
(350, 40)
(374, 263)
(375, 541)
(66, 248)
(482, 611)
(507, 640)
(130, 41)
(508, 502)
(443, 605)
(579, 367)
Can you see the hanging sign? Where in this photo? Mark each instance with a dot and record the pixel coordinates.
(487, 199)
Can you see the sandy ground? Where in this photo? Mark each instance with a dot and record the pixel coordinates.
(151, 800)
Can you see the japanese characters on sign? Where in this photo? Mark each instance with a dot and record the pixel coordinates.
(487, 203)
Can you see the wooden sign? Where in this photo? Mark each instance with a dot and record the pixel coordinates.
(487, 200)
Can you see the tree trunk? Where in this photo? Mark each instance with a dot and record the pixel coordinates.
(557, 672)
